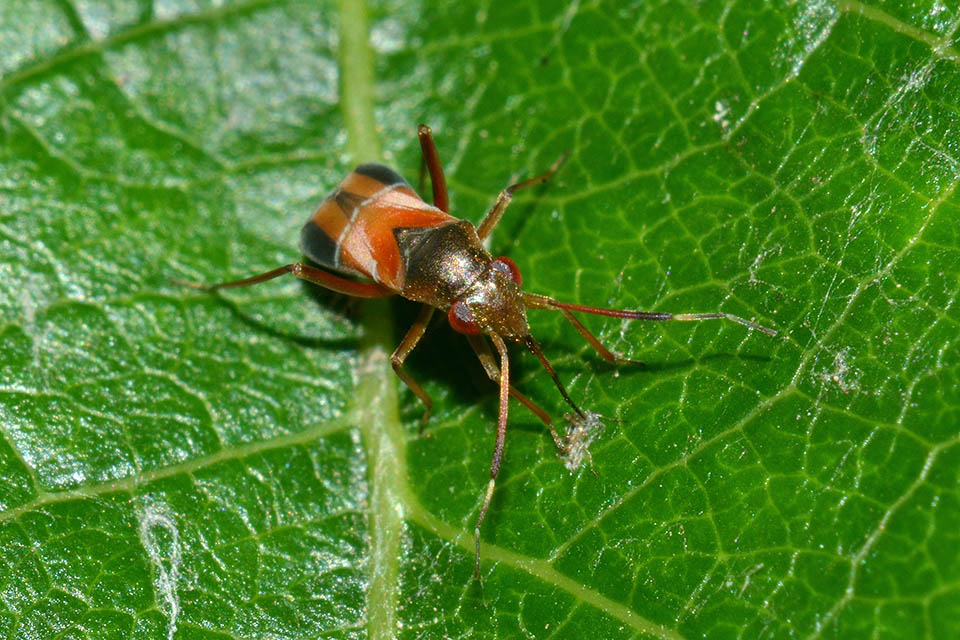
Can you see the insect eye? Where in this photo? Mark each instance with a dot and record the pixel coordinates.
(508, 268)
(462, 320)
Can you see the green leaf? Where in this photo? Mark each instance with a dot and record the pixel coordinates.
(182, 465)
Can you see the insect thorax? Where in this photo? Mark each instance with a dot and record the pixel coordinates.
(440, 261)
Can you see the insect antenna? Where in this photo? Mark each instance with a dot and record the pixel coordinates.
(544, 302)
(534, 348)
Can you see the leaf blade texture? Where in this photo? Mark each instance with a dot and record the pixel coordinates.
(181, 465)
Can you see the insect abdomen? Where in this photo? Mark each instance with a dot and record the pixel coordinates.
(352, 229)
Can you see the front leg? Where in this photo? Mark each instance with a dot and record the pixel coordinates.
(482, 349)
(503, 200)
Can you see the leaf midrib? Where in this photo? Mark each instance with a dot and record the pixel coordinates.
(375, 403)
(376, 407)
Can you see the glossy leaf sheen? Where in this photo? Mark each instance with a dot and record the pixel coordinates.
(181, 465)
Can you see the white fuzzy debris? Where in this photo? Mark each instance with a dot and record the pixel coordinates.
(156, 521)
(721, 113)
(581, 433)
(842, 374)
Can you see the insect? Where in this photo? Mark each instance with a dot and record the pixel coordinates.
(373, 236)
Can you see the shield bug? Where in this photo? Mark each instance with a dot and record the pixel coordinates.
(373, 236)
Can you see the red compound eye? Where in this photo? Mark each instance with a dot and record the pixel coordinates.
(508, 267)
(462, 320)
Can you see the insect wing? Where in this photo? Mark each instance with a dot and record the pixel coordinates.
(352, 229)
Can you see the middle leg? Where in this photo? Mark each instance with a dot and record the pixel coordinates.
(403, 350)
(304, 272)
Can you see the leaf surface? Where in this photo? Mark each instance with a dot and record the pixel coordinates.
(182, 465)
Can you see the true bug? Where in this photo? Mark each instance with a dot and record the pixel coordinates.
(374, 227)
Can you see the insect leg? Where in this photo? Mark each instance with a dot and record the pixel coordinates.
(407, 345)
(503, 200)
(498, 446)
(432, 162)
(482, 349)
(308, 273)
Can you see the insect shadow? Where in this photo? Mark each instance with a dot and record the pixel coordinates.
(336, 303)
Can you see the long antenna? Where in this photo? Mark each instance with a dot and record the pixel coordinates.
(544, 302)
